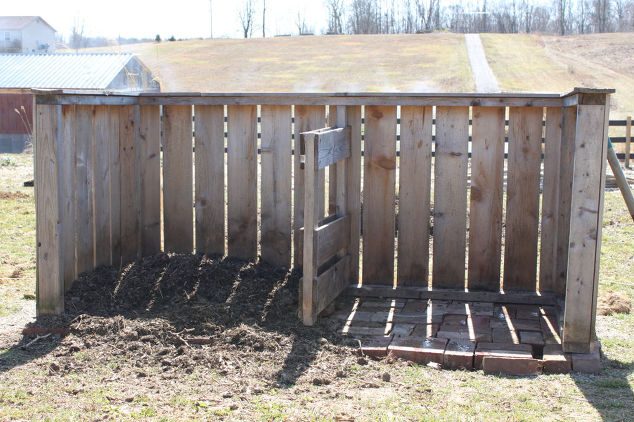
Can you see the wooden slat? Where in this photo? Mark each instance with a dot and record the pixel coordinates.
(628, 140)
(130, 183)
(242, 181)
(330, 239)
(585, 228)
(414, 191)
(50, 281)
(353, 184)
(177, 179)
(306, 118)
(569, 125)
(66, 162)
(115, 187)
(150, 154)
(487, 174)
(378, 194)
(276, 185)
(84, 252)
(101, 152)
(550, 203)
(309, 257)
(450, 196)
(333, 146)
(522, 204)
(210, 179)
(328, 285)
(332, 171)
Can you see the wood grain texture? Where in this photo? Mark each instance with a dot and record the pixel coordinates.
(378, 195)
(487, 174)
(333, 146)
(450, 196)
(130, 183)
(50, 281)
(311, 210)
(550, 203)
(177, 179)
(414, 191)
(328, 285)
(242, 181)
(307, 118)
(150, 154)
(522, 203)
(332, 171)
(210, 179)
(114, 150)
(353, 184)
(276, 185)
(66, 163)
(330, 239)
(101, 153)
(84, 252)
(585, 228)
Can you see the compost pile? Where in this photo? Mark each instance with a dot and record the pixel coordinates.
(181, 311)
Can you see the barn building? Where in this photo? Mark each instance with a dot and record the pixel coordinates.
(85, 71)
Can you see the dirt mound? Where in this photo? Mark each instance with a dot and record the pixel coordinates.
(4, 195)
(613, 303)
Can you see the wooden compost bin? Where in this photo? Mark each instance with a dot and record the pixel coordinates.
(108, 167)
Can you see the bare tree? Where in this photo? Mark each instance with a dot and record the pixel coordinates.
(77, 35)
(247, 14)
(364, 17)
(263, 18)
(335, 16)
(302, 26)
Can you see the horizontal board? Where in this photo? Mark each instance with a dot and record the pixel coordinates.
(331, 238)
(329, 285)
(332, 145)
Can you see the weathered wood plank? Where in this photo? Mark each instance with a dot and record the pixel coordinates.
(414, 196)
(378, 194)
(450, 196)
(585, 228)
(353, 185)
(50, 281)
(242, 181)
(66, 163)
(276, 185)
(333, 146)
(210, 179)
(101, 151)
(150, 154)
(487, 174)
(177, 179)
(331, 238)
(130, 183)
(569, 126)
(311, 211)
(328, 285)
(332, 171)
(550, 204)
(522, 203)
(114, 151)
(84, 252)
(307, 118)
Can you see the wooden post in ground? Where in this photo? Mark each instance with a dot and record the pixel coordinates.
(628, 140)
(586, 214)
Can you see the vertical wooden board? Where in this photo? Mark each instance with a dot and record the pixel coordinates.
(276, 185)
(378, 195)
(84, 251)
(569, 125)
(115, 185)
(242, 181)
(66, 163)
(353, 183)
(50, 282)
(307, 118)
(414, 191)
(150, 154)
(522, 202)
(332, 170)
(585, 227)
(450, 196)
(550, 203)
(178, 210)
(210, 179)
(487, 178)
(130, 191)
(309, 254)
(101, 137)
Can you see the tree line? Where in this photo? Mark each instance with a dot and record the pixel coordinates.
(419, 16)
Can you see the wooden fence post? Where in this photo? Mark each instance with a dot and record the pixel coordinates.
(628, 140)
(586, 214)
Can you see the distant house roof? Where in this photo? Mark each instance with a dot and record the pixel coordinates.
(66, 70)
(19, 22)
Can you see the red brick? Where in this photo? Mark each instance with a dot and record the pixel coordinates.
(451, 319)
(502, 335)
(414, 319)
(402, 330)
(364, 330)
(526, 324)
(419, 349)
(531, 337)
(586, 362)
(360, 316)
(463, 333)
(508, 365)
(481, 308)
(459, 354)
(527, 313)
(425, 330)
(415, 307)
(480, 321)
(499, 323)
(503, 349)
(376, 346)
(555, 361)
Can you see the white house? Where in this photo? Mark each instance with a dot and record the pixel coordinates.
(26, 34)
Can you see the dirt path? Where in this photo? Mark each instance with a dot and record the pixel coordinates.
(11, 325)
(482, 74)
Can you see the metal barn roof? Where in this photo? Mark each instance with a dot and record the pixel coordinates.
(63, 70)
